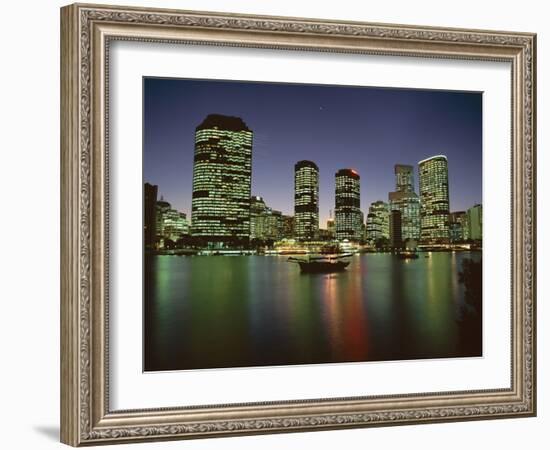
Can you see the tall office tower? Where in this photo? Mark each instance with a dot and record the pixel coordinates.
(405, 200)
(170, 223)
(458, 226)
(475, 222)
(347, 212)
(222, 174)
(306, 200)
(162, 208)
(287, 226)
(174, 225)
(273, 224)
(331, 228)
(265, 222)
(404, 178)
(434, 200)
(396, 236)
(149, 215)
(378, 222)
(257, 217)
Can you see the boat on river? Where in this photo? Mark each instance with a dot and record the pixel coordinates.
(407, 254)
(323, 263)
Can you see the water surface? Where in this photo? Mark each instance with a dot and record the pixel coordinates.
(238, 311)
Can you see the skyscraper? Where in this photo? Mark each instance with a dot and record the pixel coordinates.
(306, 200)
(265, 222)
(458, 226)
(222, 173)
(257, 213)
(405, 200)
(174, 225)
(171, 224)
(274, 224)
(347, 211)
(378, 225)
(162, 208)
(434, 200)
(404, 178)
(475, 222)
(287, 226)
(149, 215)
(396, 236)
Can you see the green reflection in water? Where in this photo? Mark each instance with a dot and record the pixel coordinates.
(203, 312)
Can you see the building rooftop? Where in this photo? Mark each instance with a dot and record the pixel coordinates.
(401, 167)
(305, 163)
(433, 157)
(348, 172)
(219, 121)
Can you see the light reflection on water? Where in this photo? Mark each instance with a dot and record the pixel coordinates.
(206, 312)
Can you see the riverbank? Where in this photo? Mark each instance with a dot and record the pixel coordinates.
(244, 252)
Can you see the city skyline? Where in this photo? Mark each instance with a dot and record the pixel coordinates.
(173, 107)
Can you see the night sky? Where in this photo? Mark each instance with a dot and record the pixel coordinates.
(367, 129)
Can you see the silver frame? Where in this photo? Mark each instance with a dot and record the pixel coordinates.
(86, 32)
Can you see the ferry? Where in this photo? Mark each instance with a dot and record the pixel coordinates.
(407, 254)
(323, 263)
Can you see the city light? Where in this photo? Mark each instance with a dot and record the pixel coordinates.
(226, 215)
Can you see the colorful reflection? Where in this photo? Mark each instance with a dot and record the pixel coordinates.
(241, 311)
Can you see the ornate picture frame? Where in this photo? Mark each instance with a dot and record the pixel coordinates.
(86, 34)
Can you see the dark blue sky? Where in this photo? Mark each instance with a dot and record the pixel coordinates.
(368, 129)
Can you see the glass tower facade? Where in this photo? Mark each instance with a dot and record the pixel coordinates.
(405, 200)
(162, 208)
(265, 222)
(434, 200)
(378, 226)
(257, 213)
(404, 178)
(458, 226)
(306, 200)
(347, 212)
(174, 225)
(475, 222)
(170, 223)
(396, 230)
(287, 226)
(222, 173)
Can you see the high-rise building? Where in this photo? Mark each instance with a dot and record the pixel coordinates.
(174, 225)
(222, 173)
(265, 222)
(324, 235)
(378, 222)
(404, 178)
(475, 222)
(274, 220)
(162, 208)
(149, 215)
(170, 223)
(405, 200)
(287, 227)
(396, 236)
(347, 211)
(331, 228)
(306, 200)
(434, 200)
(257, 215)
(458, 226)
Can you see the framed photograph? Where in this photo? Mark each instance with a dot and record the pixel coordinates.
(275, 224)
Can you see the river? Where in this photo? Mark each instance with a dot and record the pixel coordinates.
(240, 311)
